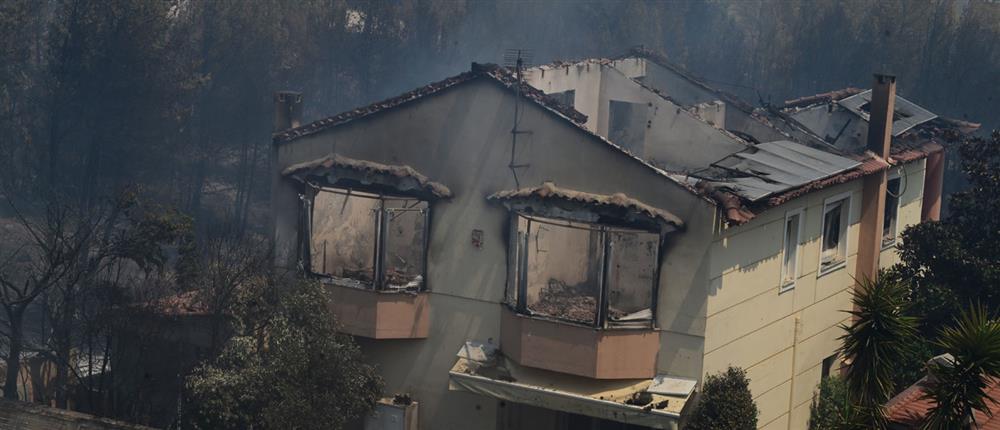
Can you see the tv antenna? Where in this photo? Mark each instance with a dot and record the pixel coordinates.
(517, 59)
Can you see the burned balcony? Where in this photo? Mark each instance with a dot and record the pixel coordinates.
(584, 271)
(365, 233)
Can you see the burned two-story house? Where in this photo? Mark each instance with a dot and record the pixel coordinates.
(576, 245)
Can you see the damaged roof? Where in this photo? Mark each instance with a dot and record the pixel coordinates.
(907, 114)
(616, 204)
(769, 168)
(663, 61)
(500, 75)
(496, 73)
(400, 177)
(750, 181)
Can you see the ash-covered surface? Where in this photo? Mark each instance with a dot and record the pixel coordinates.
(570, 302)
(549, 190)
(368, 169)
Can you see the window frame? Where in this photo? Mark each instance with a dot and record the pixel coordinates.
(899, 203)
(847, 198)
(515, 294)
(784, 285)
(381, 221)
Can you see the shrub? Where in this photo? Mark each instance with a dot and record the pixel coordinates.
(725, 403)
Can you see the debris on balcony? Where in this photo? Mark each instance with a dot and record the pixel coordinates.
(634, 401)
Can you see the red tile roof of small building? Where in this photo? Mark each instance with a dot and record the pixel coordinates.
(908, 409)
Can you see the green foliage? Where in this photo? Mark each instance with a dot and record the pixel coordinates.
(286, 368)
(954, 262)
(876, 340)
(725, 403)
(832, 408)
(959, 387)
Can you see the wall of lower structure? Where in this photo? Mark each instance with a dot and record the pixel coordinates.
(781, 338)
(461, 138)
(28, 416)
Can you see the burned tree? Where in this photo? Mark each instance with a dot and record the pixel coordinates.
(31, 269)
(81, 259)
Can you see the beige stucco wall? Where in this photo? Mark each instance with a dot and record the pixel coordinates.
(910, 204)
(461, 138)
(674, 138)
(781, 338)
(687, 94)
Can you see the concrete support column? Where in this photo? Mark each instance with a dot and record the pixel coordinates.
(933, 184)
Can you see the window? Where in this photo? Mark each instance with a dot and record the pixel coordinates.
(790, 256)
(367, 240)
(627, 125)
(567, 98)
(828, 367)
(833, 252)
(582, 272)
(891, 213)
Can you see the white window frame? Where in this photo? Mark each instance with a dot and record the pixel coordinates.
(899, 205)
(787, 286)
(847, 197)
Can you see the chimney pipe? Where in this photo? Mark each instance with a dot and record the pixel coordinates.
(880, 109)
(287, 110)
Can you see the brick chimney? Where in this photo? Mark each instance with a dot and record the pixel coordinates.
(287, 110)
(881, 108)
(284, 195)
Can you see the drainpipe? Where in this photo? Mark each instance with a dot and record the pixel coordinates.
(285, 203)
(933, 183)
(881, 108)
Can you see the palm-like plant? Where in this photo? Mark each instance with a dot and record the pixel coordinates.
(876, 339)
(958, 387)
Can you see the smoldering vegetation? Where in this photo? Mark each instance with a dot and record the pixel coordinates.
(175, 95)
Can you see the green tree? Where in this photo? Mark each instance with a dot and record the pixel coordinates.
(286, 366)
(957, 387)
(832, 408)
(875, 341)
(954, 261)
(725, 403)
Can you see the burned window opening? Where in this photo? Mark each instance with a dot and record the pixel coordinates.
(896, 113)
(627, 125)
(833, 253)
(566, 98)
(365, 240)
(584, 273)
(891, 214)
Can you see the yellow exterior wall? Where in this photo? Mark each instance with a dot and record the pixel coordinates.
(782, 338)
(910, 204)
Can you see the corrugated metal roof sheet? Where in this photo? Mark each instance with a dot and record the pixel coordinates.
(772, 167)
(908, 114)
